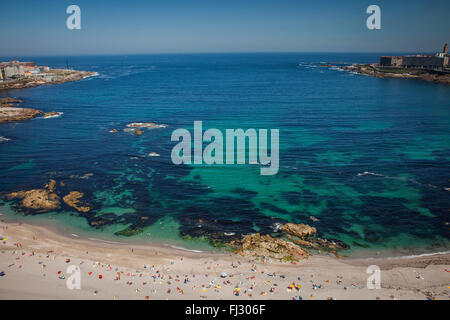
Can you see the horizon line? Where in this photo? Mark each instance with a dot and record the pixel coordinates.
(210, 52)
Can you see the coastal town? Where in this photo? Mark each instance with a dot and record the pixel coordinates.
(428, 67)
(18, 74)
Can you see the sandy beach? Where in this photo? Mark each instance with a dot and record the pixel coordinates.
(34, 262)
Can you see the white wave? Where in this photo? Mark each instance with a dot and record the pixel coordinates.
(153, 154)
(369, 173)
(106, 241)
(276, 227)
(54, 116)
(181, 248)
(4, 139)
(90, 76)
(421, 255)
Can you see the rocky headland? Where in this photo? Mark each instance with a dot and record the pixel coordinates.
(9, 111)
(374, 70)
(55, 76)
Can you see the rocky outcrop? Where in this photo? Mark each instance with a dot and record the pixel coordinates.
(73, 200)
(41, 200)
(265, 245)
(298, 230)
(305, 243)
(297, 238)
(138, 132)
(50, 186)
(51, 114)
(9, 102)
(9, 114)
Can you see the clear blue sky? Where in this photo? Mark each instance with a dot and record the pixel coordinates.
(184, 26)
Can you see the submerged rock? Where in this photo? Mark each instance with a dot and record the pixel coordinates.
(265, 245)
(73, 200)
(332, 244)
(150, 125)
(299, 230)
(84, 176)
(138, 132)
(41, 200)
(130, 231)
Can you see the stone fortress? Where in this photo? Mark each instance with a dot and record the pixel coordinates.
(436, 62)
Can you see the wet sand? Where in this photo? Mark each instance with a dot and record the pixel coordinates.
(35, 259)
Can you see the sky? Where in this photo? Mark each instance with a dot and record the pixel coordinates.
(30, 28)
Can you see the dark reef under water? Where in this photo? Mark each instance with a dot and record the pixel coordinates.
(368, 158)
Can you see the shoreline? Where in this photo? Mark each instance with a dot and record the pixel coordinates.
(373, 70)
(34, 257)
(72, 232)
(58, 76)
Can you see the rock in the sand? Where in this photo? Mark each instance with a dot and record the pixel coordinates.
(73, 200)
(265, 245)
(38, 199)
(299, 230)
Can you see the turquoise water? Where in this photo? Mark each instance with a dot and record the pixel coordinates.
(334, 126)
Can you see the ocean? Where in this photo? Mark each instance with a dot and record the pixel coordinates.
(368, 157)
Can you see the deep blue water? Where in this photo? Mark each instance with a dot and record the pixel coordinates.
(333, 125)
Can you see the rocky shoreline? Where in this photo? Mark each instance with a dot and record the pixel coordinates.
(376, 71)
(292, 242)
(9, 112)
(57, 76)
